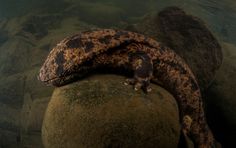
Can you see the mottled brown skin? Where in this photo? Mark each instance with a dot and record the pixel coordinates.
(75, 56)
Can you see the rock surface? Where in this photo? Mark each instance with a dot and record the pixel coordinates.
(100, 111)
(189, 37)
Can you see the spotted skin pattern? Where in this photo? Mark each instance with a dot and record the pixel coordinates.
(75, 56)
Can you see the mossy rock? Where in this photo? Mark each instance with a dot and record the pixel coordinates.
(100, 111)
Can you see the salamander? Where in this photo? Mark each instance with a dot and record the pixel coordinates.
(148, 59)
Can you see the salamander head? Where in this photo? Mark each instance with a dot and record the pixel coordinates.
(60, 67)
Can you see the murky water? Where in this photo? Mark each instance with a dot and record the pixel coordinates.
(29, 28)
(219, 14)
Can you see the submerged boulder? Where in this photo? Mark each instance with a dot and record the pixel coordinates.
(189, 37)
(100, 111)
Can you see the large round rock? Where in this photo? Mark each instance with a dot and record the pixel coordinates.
(189, 37)
(100, 111)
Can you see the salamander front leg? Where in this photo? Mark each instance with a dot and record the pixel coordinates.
(142, 67)
(139, 84)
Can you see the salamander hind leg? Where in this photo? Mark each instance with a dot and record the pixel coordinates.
(186, 124)
(142, 66)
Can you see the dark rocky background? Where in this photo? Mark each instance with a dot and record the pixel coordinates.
(29, 29)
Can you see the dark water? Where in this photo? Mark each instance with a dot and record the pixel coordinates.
(219, 14)
(23, 101)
